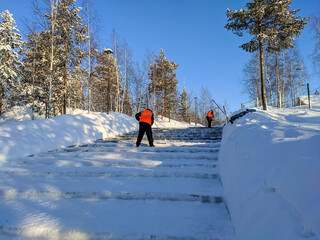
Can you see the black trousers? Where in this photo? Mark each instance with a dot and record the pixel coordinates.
(144, 127)
(209, 119)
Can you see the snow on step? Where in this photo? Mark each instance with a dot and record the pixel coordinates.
(142, 155)
(114, 219)
(114, 174)
(109, 195)
(130, 168)
(111, 185)
(173, 163)
(159, 149)
(112, 190)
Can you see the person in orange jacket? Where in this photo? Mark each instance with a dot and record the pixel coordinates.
(210, 116)
(146, 119)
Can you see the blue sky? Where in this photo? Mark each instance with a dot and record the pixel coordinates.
(192, 34)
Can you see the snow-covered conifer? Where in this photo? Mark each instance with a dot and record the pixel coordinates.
(34, 80)
(10, 42)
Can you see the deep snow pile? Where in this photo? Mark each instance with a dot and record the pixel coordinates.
(20, 136)
(270, 165)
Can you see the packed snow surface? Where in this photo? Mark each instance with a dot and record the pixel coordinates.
(270, 169)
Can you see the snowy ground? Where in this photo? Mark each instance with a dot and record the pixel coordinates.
(270, 165)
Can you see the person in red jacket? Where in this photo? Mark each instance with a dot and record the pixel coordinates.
(146, 119)
(210, 118)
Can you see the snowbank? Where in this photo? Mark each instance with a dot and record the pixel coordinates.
(29, 137)
(20, 136)
(270, 165)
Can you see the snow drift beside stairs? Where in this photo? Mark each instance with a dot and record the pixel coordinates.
(21, 136)
(270, 170)
(29, 137)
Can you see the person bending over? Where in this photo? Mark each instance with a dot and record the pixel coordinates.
(146, 119)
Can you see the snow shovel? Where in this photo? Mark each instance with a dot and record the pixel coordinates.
(159, 136)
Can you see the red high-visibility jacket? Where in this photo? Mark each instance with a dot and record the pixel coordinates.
(210, 114)
(146, 116)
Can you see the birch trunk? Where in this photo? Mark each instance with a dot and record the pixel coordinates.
(283, 85)
(277, 83)
(268, 79)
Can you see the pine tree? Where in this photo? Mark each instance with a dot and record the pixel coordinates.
(163, 83)
(10, 42)
(272, 25)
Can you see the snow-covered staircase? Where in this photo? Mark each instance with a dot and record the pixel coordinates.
(112, 190)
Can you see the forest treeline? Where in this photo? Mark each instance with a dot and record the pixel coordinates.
(60, 63)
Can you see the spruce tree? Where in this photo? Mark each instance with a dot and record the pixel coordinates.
(10, 42)
(272, 25)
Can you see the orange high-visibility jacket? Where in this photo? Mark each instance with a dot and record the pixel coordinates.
(146, 116)
(210, 114)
